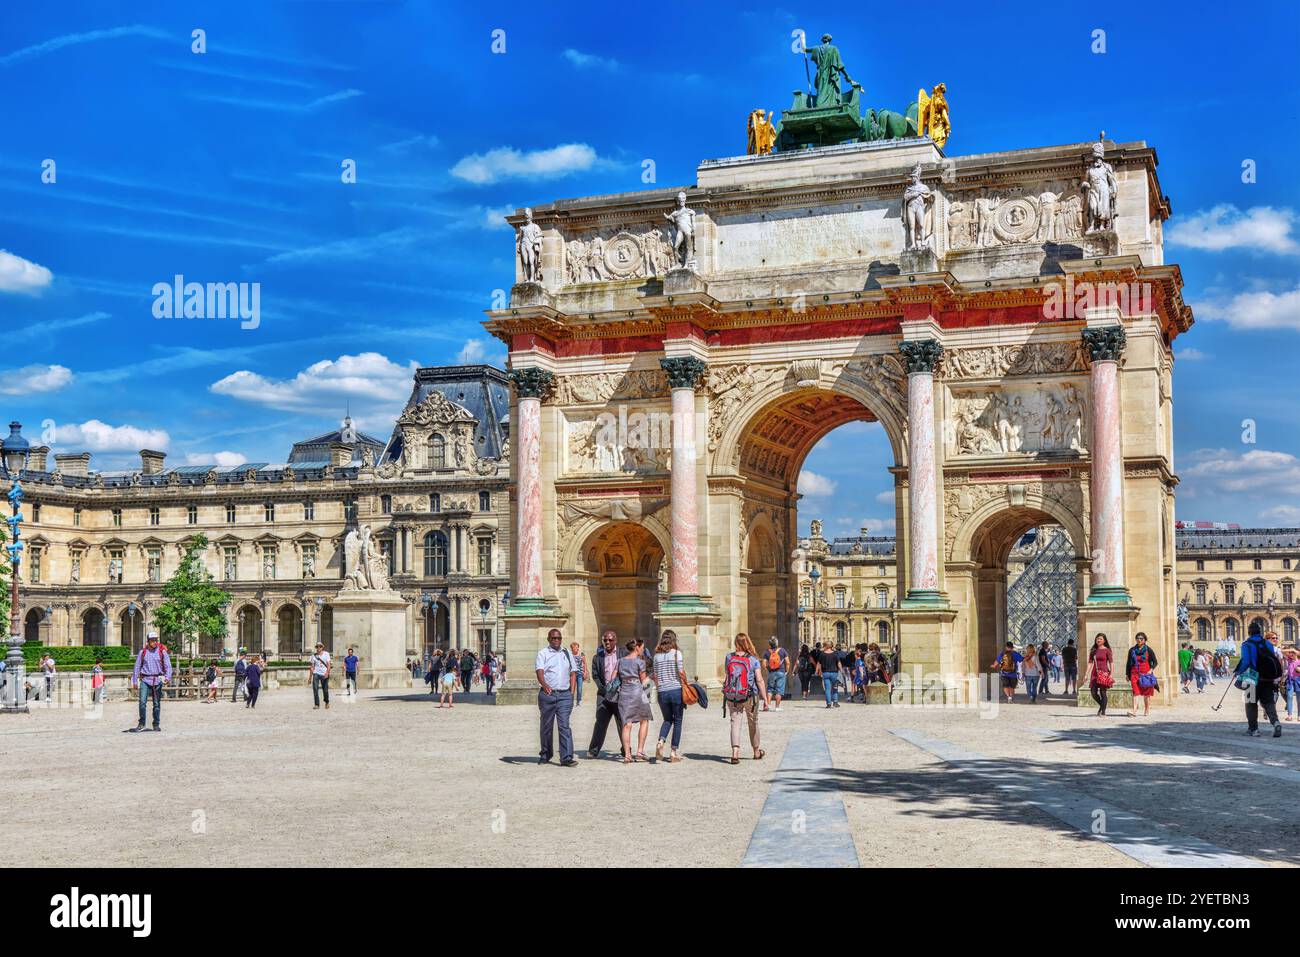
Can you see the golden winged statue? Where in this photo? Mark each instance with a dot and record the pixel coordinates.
(762, 134)
(932, 115)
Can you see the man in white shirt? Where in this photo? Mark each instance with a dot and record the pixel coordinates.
(557, 674)
(320, 676)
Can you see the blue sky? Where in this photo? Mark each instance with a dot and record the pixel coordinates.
(225, 166)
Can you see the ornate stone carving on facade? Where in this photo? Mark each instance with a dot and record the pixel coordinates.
(961, 500)
(597, 446)
(1004, 421)
(728, 388)
(918, 213)
(366, 568)
(683, 372)
(922, 355)
(806, 372)
(618, 254)
(1105, 342)
(1050, 212)
(1102, 191)
(435, 409)
(615, 509)
(1031, 358)
(601, 387)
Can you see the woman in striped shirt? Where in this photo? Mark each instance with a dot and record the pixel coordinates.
(668, 676)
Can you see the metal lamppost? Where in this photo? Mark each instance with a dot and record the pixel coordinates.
(426, 608)
(131, 610)
(815, 575)
(15, 450)
(240, 640)
(320, 612)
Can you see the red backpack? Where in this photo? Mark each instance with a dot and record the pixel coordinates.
(736, 687)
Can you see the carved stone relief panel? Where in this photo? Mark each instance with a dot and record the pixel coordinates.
(601, 387)
(640, 441)
(1030, 358)
(1048, 212)
(635, 252)
(1009, 420)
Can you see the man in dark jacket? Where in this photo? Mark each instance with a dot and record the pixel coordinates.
(468, 665)
(604, 666)
(1257, 655)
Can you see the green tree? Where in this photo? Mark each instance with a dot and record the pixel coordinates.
(191, 602)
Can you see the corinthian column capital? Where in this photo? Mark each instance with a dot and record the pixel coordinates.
(1105, 342)
(921, 355)
(532, 383)
(684, 372)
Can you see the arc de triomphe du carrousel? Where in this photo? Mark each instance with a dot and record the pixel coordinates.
(1008, 318)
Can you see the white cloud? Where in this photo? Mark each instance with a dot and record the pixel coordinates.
(877, 526)
(585, 61)
(223, 460)
(97, 436)
(1285, 514)
(885, 498)
(32, 379)
(815, 486)
(479, 352)
(72, 39)
(1259, 471)
(1255, 310)
(1261, 228)
(21, 275)
(368, 381)
(506, 162)
(1190, 355)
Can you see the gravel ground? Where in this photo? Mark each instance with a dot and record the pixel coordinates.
(388, 779)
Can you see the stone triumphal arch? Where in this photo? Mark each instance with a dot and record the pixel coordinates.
(676, 353)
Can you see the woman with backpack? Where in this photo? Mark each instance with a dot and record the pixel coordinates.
(669, 678)
(1141, 673)
(740, 690)
(1031, 668)
(632, 701)
(1099, 676)
(806, 669)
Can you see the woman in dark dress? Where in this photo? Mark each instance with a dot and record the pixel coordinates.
(1100, 677)
(253, 681)
(806, 668)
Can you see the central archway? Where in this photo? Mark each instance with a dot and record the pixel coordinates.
(619, 582)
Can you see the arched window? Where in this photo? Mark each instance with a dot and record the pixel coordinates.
(1230, 629)
(485, 501)
(437, 451)
(1263, 625)
(1202, 630)
(435, 555)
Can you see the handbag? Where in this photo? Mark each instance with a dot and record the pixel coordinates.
(689, 697)
(1104, 679)
(1146, 680)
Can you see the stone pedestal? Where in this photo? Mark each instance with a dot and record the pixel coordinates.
(913, 262)
(683, 280)
(1116, 622)
(530, 294)
(526, 628)
(927, 667)
(374, 624)
(697, 636)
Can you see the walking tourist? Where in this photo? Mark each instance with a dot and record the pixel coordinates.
(740, 691)
(1057, 661)
(778, 669)
(212, 678)
(49, 671)
(1291, 681)
(468, 663)
(153, 669)
(1257, 674)
(253, 682)
(350, 673)
(97, 682)
(633, 701)
(828, 667)
(557, 675)
(1100, 675)
(446, 680)
(807, 668)
(1140, 669)
(1030, 667)
(490, 672)
(320, 676)
(241, 676)
(1185, 656)
(1044, 665)
(859, 675)
(604, 673)
(581, 661)
(669, 677)
(1070, 667)
(1200, 669)
(1007, 666)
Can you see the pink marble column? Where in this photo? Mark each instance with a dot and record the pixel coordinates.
(922, 357)
(1106, 344)
(531, 384)
(684, 373)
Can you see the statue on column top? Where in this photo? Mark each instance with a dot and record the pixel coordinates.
(1102, 190)
(918, 213)
(529, 245)
(683, 219)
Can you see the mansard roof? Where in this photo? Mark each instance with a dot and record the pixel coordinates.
(482, 390)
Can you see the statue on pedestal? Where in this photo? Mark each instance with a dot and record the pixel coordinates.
(918, 213)
(683, 220)
(529, 245)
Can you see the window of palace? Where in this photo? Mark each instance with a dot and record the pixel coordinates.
(155, 564)
(349, 511)
(386, 553)
(268, 511)
(1230, 629)
(308, 511)
(435, 555)
(485, 501)
(1202, 630)
(76, 517)
(880, 570)
(437, 451)
(1288, 630)
(1259, 564)
(435, 502)
(36, 511)
(1200, 593)
(1229, 593)
(1286, 564)
(155, 516)
(1257, 590)
(1227, 564)
(192, 514)
(841, 633)
(34, 564)
(268, 562)
(882, 598)
(230, 563)
(386, 505)
(117, 518)
(1200, 564)
(839, 570)
(309, 561)
(485, 556)
(230, 513)
(839, 598)
(1288, 593)
(882, 632)
(115, 556)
